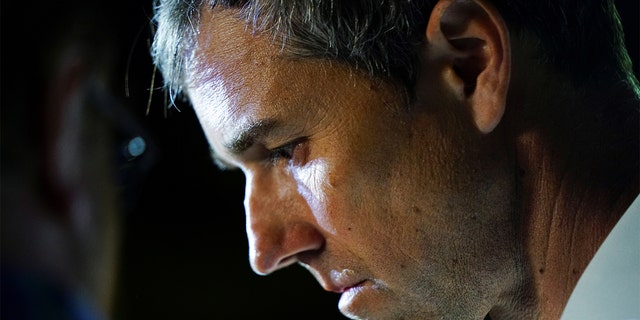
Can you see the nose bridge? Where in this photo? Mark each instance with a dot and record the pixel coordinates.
(276, 223)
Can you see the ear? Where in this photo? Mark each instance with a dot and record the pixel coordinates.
(472, 39)
(62, 120)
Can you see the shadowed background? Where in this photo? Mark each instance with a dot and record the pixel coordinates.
(184, 248)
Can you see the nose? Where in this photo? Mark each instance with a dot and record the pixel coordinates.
(278, 224)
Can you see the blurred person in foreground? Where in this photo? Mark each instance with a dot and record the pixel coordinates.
(452, 159)
(72, 151)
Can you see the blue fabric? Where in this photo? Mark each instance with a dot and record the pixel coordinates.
(26, 296)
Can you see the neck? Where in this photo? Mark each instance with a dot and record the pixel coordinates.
(578, 175)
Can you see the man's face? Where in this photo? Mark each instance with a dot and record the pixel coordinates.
(400, 206)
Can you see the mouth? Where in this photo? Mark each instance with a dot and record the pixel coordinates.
(353, 288)
(343, 281)
(358, 301)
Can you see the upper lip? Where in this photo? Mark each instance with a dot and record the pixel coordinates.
(337, 288)
(335, 280)
(341, 280)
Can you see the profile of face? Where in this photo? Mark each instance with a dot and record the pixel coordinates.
(401, 205)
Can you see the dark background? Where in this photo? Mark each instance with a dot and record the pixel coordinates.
(184, 249)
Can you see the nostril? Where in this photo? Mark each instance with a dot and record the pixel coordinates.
(276, 250)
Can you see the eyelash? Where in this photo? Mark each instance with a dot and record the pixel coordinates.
(284, 152)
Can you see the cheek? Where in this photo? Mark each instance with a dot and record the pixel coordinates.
(313, 185)
(337, 198)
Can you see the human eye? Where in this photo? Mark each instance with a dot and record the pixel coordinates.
(292, 152)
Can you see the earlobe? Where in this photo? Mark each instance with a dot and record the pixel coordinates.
(473, 40)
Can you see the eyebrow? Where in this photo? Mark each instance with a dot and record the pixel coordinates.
(249, 134)
(243, 140)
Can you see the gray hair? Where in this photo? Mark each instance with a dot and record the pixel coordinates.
(375, 35)
(581, 38)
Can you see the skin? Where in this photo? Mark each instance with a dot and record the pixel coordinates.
(482, 195)
(375, 195)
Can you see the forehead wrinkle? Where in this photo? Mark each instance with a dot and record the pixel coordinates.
(214, 54)
(219, 63)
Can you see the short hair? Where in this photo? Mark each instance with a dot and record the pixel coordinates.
(581, 38)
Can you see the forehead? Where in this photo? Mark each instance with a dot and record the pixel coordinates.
(225, 50)
(229, 51)
(229, 66)
(234, 72)
(237, 78)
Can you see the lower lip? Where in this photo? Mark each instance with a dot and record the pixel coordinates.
(349, 295)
